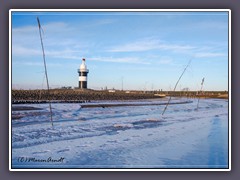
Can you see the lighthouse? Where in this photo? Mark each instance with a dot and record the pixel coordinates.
(83, 71)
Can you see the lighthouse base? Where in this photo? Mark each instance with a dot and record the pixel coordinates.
(82, 84)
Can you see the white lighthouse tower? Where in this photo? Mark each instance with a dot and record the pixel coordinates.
(83, 71)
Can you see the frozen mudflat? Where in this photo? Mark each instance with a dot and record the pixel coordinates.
(122, 137)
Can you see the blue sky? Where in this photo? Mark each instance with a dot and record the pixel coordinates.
(145, 50)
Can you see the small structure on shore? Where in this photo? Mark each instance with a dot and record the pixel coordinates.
(83, 71)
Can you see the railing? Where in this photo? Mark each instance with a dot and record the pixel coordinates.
(82, 70)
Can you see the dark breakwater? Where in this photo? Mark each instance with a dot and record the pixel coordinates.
(73, 96)
(83, 96)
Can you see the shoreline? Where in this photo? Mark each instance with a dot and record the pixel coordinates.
(85, 96)
(103, 105)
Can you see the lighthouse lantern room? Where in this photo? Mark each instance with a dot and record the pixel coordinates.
(83, 71)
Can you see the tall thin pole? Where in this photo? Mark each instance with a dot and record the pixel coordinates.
(200, 91)
(45, 66)
(176, 85)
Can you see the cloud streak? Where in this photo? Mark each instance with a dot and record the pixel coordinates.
(154, 44)
(23, 51)
(39, 64)
(149, 44)
(209, 54)
(130, 60)
(62, 53)
(60, 44)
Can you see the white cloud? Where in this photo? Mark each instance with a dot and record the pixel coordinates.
(57, 39)
(165, 60)
(22, 31)
(59, 43)
(209, 54)
(64, 53)
(150, 44)
(55, 27)
(133, 60)
(23, 51)
(32, 63)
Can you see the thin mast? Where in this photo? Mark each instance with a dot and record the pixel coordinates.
(200, 91)
(50, 106)
(176, 85)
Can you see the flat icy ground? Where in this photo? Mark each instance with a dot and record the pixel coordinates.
(122, 137)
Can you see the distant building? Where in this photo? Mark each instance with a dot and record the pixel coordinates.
(83, 71)
(66, 87)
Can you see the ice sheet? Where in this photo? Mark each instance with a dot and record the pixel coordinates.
(122, 137)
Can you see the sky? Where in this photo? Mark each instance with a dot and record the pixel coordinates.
(123, 50)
